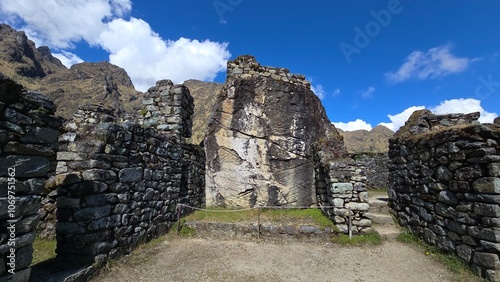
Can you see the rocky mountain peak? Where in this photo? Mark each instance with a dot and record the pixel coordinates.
(22, 59)
(37, 69)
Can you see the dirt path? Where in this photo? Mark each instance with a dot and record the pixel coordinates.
(197, 259)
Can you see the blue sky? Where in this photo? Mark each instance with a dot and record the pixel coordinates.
(371, 62)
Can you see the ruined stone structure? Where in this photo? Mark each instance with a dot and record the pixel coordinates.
(338, 187)
(169, 108)
(371, 169)
(261, 136)
(270, 143)
(119, 183)
(113, 183)
(109, 182)
(445, 186)
(28, 144)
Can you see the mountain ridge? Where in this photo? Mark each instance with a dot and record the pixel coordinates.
(363, 141)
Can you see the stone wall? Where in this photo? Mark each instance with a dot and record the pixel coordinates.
(371, 169)
(28, 144)
(168, 108)
(246, 66)
(445, 186)
(337, 186)
(119, 183)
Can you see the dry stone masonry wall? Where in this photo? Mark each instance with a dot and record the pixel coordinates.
(371, 169)
(168, 108)
(445, 186)
(28, 144)
(119, 183)
(246, 66)
(339, 187)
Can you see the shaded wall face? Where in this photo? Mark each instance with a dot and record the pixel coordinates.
(28, 142)
(445, 187)
(119, 185)
(260, 144)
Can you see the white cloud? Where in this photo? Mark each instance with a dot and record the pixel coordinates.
(337, 92)
(131, 43)
(319, 91)
(452, 106)
(464, 106)
(147, 57)
(436, 62)
(59, 23)
(67, 58)
(353, 125)
(368, 93)
(399, 120)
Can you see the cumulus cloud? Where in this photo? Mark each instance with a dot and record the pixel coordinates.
(399, 120)
(353, 125)
(368, 93)
(464, 106)
(59, 23)
(435, 63)
(131, 42)
(147, 57)
(319, 91)
(67, 58)
(452, 106)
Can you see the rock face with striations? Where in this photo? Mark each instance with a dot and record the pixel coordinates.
(261, 137)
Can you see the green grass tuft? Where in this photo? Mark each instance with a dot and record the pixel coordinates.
(454, 264)
(43, 249)
(313, 216)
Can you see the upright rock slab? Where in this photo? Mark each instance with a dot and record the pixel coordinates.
(261, 137)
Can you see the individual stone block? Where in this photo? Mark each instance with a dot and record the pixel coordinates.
(491, 210)
(99, 175)
(336, 188)
(487, 185)
(128, 175)
(25, 166)
(464, 252)
(487, 260)
(448, 197)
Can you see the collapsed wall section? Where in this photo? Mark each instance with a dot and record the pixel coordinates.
(28, 143)
(445, 186)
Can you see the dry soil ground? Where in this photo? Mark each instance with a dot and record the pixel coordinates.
(204, 259)
(195, 259)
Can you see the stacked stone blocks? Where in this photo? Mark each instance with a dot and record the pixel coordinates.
(119, 184)
(445, 187)
(28, 143)
(168, 108)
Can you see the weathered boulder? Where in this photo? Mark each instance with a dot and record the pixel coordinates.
(261, 136)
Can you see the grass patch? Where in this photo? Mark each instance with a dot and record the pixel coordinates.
(454, 264)
(43, 249)
(370, 238)
(313, 216)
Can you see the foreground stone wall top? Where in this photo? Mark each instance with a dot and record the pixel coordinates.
(261, 137)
